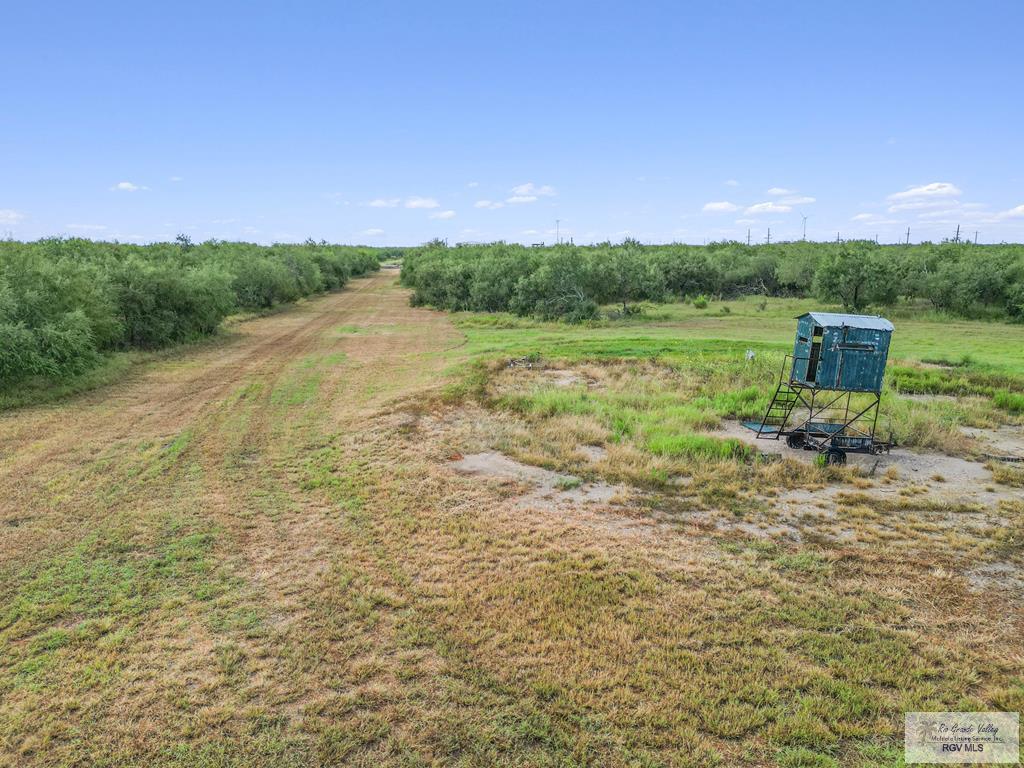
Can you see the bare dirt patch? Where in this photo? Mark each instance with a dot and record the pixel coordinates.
(546, 488)
(1007, 440)
(956, 478)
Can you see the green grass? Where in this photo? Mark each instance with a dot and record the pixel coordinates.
(707, 350)
(42, 391)
(681, 329)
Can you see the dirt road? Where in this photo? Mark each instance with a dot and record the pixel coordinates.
(180, 511)
(359, 347)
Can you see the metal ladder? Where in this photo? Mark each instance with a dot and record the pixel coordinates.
(778, 411)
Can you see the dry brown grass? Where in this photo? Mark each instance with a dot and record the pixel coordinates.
(258, 555)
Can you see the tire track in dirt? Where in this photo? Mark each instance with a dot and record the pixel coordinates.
(42, 448)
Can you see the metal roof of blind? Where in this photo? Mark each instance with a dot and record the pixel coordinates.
(838, 319)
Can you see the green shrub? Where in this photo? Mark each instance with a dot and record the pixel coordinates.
(63, 303)
(559, 282)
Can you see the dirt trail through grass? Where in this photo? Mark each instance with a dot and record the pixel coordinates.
(388, 347)
(161, 538)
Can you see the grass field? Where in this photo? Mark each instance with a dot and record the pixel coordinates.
(257, 551)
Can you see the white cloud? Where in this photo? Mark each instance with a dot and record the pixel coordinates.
(778, 191)
(1013, 213)
(935, 189)
(531, 189)
(127, 186)
(372, 232)
(797, 200)
(488, 204)
(422, 202)
(473, 184)
(529, 193)
(8, 216)
(385, 202)
(864, 217)
(767, 208)
(722, 206)
(732, 183)
(87, 227)
(443, 215)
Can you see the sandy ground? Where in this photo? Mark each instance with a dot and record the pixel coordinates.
(961, 480)
(542, 485)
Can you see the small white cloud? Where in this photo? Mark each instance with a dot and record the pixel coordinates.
(443, 215)
(746, 222)
(488, 204)
(732, 183)
(127, 186)
(177, 178)
(9, 216)
(1013, 213)
(87, 227)
(864, 217)
(721, 206)
(797, 200)
(473, 184)
(778, 191)
(422, 202)
(385, 202)
(529, 192)
(768, 207)
(935, 189)
(372, 232)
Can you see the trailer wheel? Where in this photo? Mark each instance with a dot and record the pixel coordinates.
(795, 440)
(835, 457)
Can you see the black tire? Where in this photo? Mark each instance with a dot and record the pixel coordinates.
(835, 457)
(795, 440)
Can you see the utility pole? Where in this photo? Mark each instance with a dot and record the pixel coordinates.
(769, 241)
(908, 235)
(837, 237)
(805, 225)
(957, 238)
(748, 235)
(975, 237)
(558, 238)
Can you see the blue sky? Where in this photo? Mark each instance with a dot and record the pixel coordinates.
(391, 123)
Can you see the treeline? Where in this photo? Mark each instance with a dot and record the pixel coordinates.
(572, 282)
(64, 302)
